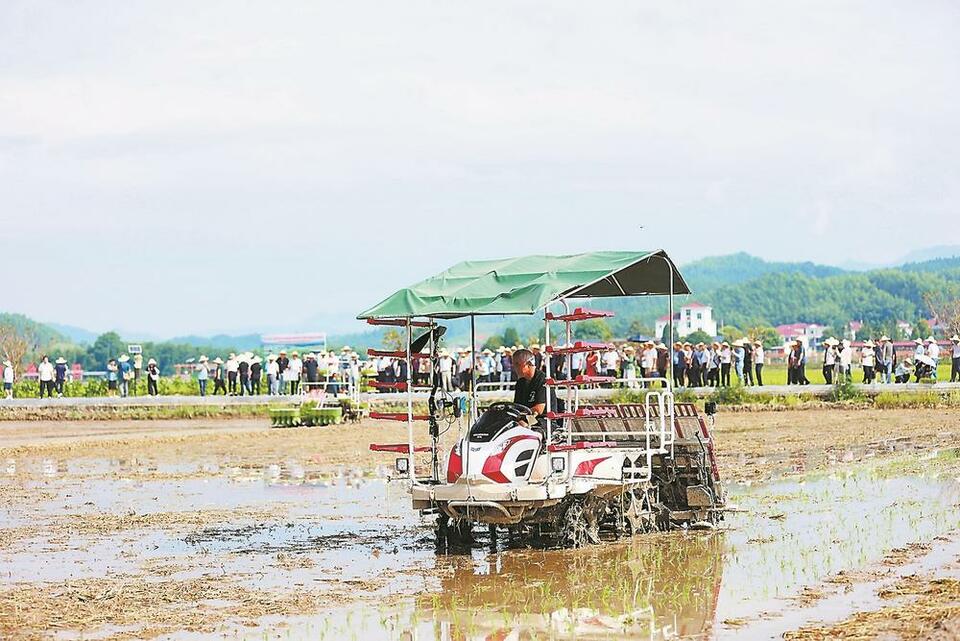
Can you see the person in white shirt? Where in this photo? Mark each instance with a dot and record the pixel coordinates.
(829, 359)
(463, 369)
(846, 359)
(45, 374)
(232, 366)
(726, 358)
(446, 371)
(294, 369)
(273, 375)
(933, 351)
(955, 362)
(611, 363)
(758, 361)
(868, 361)
(8, 379)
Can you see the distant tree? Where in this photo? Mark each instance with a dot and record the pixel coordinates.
(766, 335)
(698, 337)
(922, 329)
(595, 329)
(637, 328)
(106, 346)
(14, 345)
(510, 336)
(393, 341)
(946, 309)
(493, 342)
(730, 333)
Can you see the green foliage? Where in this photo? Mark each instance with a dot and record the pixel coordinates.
(730, 333)
(595, 329)
(766, 335)
(921, 329)
(732, 395)
(698, 337)
(492, 343)
(106, 346)
(393, 341)
(845, 390)
(510, 336)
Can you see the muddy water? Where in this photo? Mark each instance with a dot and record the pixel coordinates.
(293, 526)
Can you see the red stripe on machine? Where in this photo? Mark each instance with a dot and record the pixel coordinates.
(587, 467)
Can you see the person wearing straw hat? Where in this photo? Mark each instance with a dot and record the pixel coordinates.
(759, 359)
(726, 360)
(868, 361)
(887, 359)
(126, 374)
(918, 351)
(845, 360)
(60, 375)
(153, 378)
(256, 373)
(829, 359)
(747, 362)
(273, 375)
(903, 371)
(218, 377)
(8, 375)
(243, 373)
(232, 366)
(282, 363)
(202, 374)
(464, 369)
(933, 351)
(45, 376)
(446, 364)
(955, 358)
(679, 364)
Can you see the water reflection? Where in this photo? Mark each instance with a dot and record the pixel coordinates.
(654, 587)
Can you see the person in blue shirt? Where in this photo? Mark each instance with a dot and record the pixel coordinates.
(125, 374)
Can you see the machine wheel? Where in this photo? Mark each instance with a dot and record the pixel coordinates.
(452, 533)
(578, 528)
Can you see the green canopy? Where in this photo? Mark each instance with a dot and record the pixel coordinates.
(527, 284)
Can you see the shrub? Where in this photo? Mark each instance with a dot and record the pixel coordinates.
(845, 390)
(733, 395)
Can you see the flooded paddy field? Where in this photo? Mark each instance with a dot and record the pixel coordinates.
(841, 522)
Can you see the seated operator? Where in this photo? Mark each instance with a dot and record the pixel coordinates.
(531, 389)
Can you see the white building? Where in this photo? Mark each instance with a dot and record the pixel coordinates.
(691, 318)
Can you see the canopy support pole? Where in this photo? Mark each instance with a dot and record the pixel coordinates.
(546, 357)
(410, 467)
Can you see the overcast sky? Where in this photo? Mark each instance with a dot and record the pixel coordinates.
(198, 167)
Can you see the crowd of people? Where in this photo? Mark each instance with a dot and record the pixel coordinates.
(247, 374)
(694, 365)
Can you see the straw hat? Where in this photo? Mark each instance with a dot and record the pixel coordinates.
(738, 342)
(629, 349)
(124, 358)
(61, 361)
(7, 364)
(232, 355)
(535, 346)
(294, 353)
(832, 342)
(884, 338)
(345, 348)
(203, 359)
(151, 362)
(486, 351)
(869, 344)
(931, 339)
(661, 346)
(955, 338)
(918, 341)
(271, 357)
(444, 352)
(218, 360)
(846, 342)
(759, 343)
(283, 352)
(725, 344)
